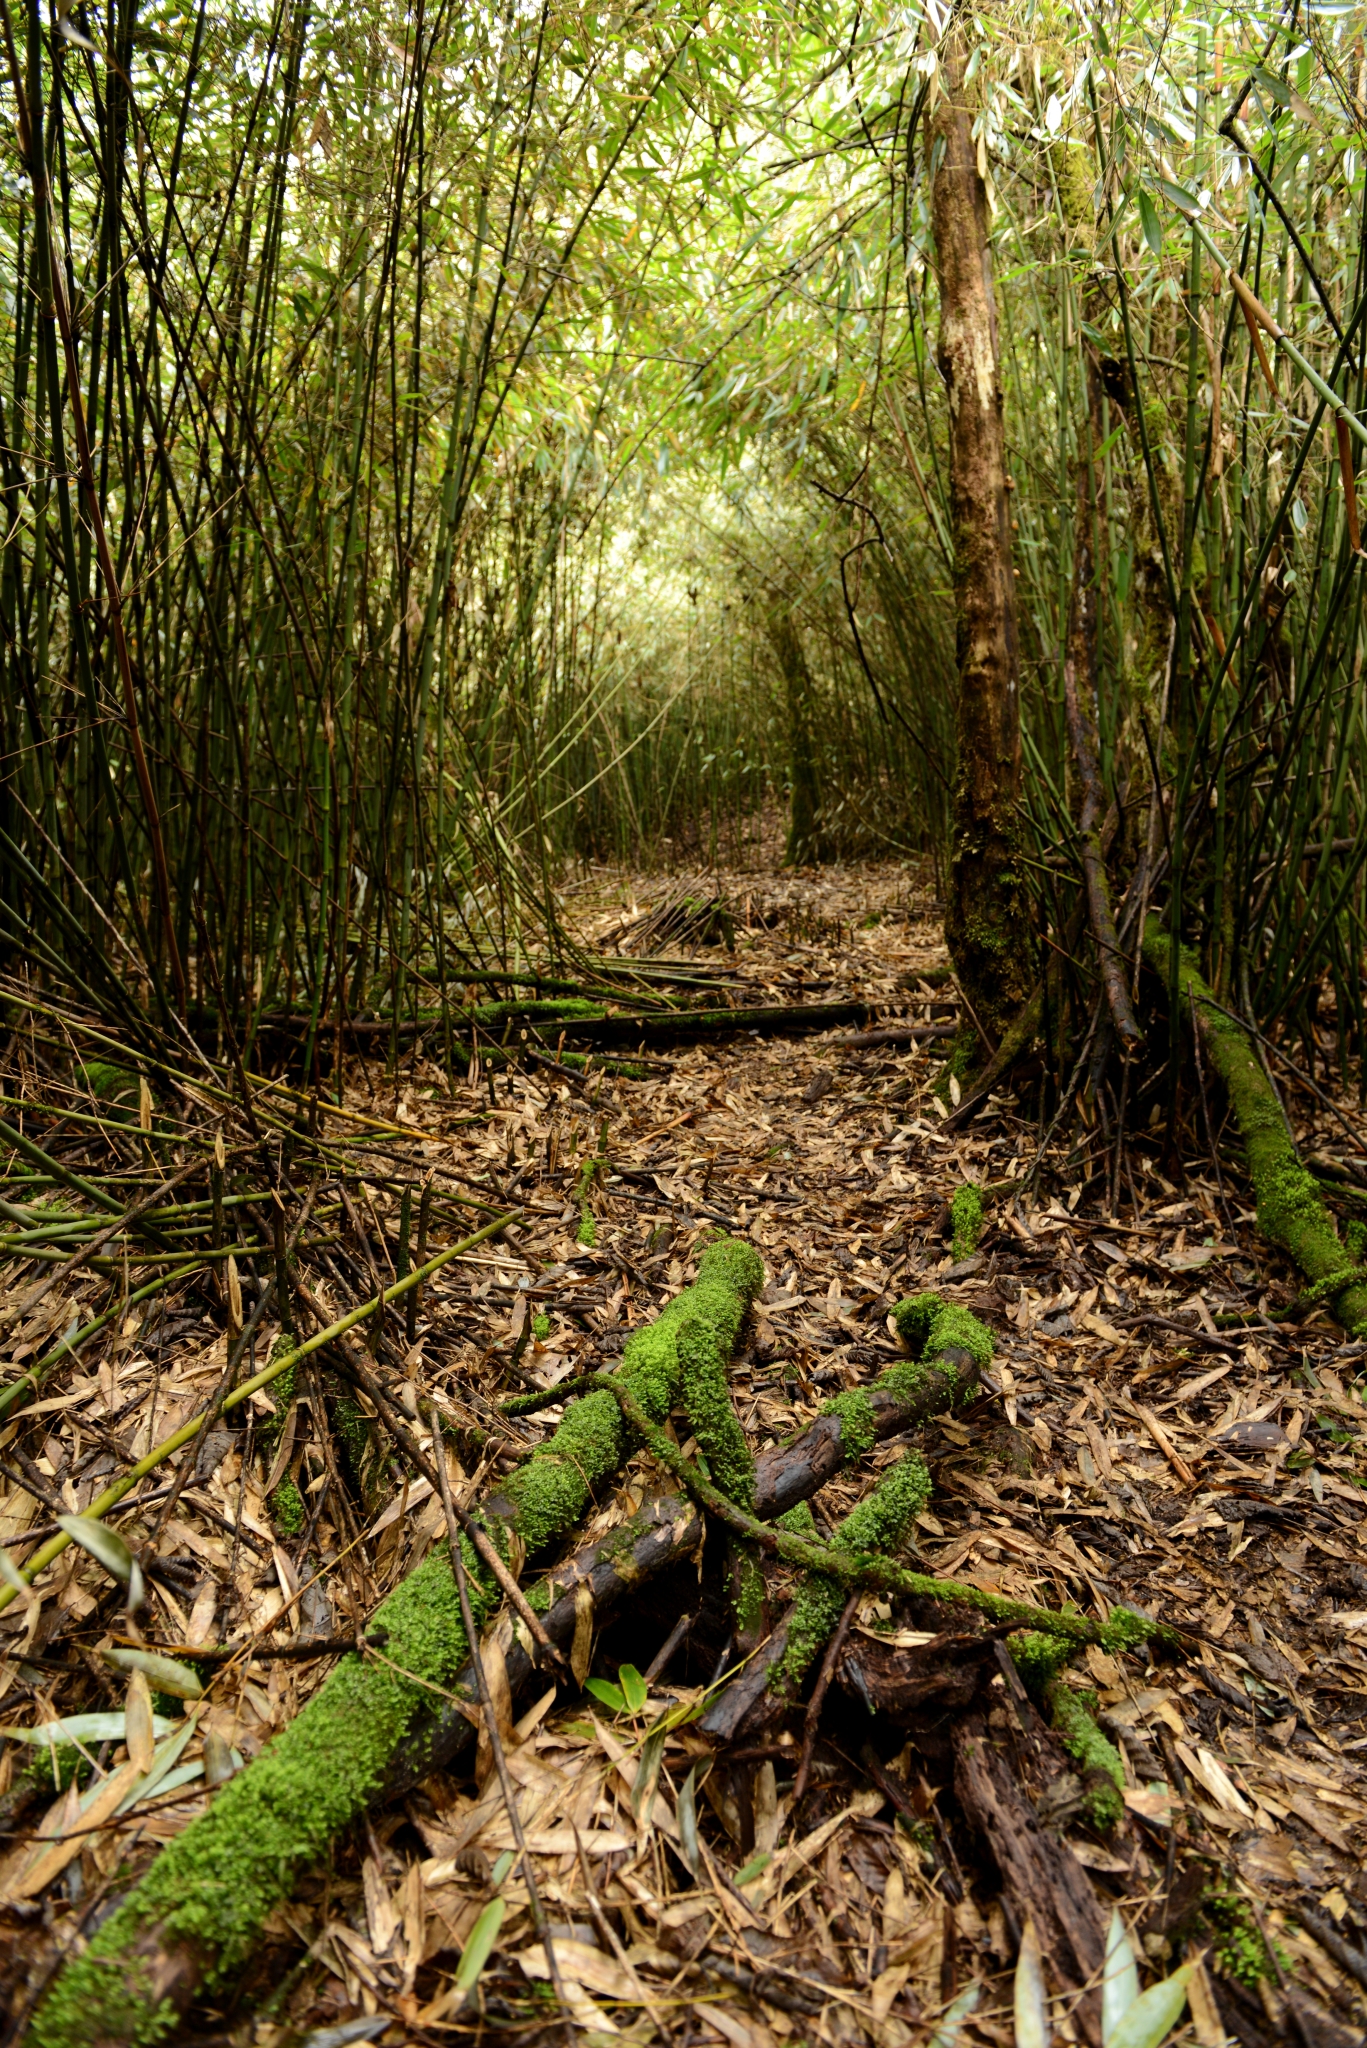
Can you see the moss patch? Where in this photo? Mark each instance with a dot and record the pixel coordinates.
(928, 1326)
(880, 1524)
(966, 1219)
(1040, 1660)
(287, 1506)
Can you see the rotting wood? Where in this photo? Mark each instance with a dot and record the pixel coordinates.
(1042, 1877)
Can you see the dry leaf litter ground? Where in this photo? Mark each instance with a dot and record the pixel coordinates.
(1126, 1448)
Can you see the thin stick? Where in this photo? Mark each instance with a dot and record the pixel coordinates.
(431, 1469)
(491, 1723)
(812, 1718)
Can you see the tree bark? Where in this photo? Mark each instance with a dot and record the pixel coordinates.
(988, 925)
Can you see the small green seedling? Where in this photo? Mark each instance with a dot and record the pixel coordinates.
(628, 1696)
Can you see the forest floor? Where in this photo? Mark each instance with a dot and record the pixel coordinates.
(1125, 1449)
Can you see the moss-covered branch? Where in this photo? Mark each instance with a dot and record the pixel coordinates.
(1291, 1210)
(197, 1914)
(1040, 1660)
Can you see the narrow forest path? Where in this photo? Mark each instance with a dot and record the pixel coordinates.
(1124, 1449)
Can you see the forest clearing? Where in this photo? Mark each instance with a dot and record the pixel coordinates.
(683, 884)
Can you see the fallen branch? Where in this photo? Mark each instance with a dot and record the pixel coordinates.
(197, 1914)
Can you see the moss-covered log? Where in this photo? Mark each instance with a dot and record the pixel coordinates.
(1040, 1661)
(196, 1915)
(1291, 1210)
(949, 1349)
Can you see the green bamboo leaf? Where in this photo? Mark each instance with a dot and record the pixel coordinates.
(603, 1689)
(1032, 2011)
(1120, 1984)
(106, 1727)
(105, 1545)
(648, 1770)
(1154, 2013)
(1149, 221)
(480, 1946)
(633, 1686)
(165, 1673)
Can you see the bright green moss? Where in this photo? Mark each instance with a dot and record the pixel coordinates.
(1040, 1660)
(1289, 1206)
(798, 1520)
(211, 1888)
(287, 1506)
(553, 1489)
(587, 1233)
(1239, 1949)
(966, 1218)
(858, 1422)
(880, 1524)
(1126, 1630)
(541, 1326)
(928, 1326)
(706, 1393)
(1097, 1758)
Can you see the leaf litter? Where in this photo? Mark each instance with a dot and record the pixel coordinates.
(1154, 1431)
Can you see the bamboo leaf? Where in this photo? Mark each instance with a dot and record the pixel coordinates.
(165, 1673)
(1149, 221)
(479, 1947)
(1120, 1983)
(951, 2025)
(633, 1687)
(1031, 2005)
(688, 1821)
(104, 1544)
(138, 1721)
(1154, 2013)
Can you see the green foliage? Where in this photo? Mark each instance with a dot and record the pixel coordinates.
(629, 1694)
(1239, 1949)
(287, 1505)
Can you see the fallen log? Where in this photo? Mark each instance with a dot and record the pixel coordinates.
(949, 1349)
(197, 1914)
(592, 1584)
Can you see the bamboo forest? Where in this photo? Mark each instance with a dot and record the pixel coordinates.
(683, 1024)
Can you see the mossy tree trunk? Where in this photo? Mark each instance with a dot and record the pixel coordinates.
(989, 922)
(1291, 1210)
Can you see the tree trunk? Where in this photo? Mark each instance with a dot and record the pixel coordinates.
(988, 925)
